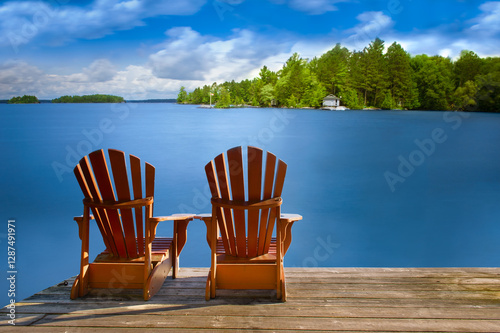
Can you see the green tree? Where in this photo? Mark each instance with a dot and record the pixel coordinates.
(376, 72)
(402, 89)
(352, 99)
(488, 92)
(434, 78)
(292, 80)
(267, 95)
(388, 102)
(182, 97)
(332, 68)
(292, 102)
(464, 97)
(224, 98)
(314, 91)
(467, 67)
(267, 76)
(26, 99)
(245, 90)
(356, 81)
(255, 91)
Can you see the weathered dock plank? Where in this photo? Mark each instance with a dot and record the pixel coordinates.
(320, 299)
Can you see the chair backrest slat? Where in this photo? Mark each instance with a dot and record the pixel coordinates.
(100, 214)
(214, 190)
(246, 233)
(265, 223)
(87, 184)
(235, 163)
(120, 177)
(254, 193)
(278, 187)
(101, 173)
(226, 217)
(135, 171)
(150, 181)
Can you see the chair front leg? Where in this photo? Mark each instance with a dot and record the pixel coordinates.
(279, 256)
(149, 235)
(179, 240)
(80, 286)
(214, 227)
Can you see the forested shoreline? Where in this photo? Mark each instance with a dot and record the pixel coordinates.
(97, 98)
(371, 78)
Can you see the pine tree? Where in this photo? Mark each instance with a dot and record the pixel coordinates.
(331, 68)
(376, 72)
(400, 81)
(467, 67)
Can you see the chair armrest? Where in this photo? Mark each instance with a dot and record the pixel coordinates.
(173, 217)
(287, 221)
(287, 218)
(82, 227)
(203, 217)
(180, 226)
(207, 218)
(120, 204)
(80, 218)
(181, 222)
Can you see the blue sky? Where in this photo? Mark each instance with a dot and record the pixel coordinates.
(149, 49)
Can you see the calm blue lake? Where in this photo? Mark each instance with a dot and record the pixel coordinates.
(376, 188)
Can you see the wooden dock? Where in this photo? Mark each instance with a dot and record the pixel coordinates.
(319, 299)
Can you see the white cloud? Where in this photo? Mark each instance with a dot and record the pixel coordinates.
(134, 82)
(371, 26)
(18, 78)
(186, 58)
(188, 55)
(22, 22)
(18, 72)
(101, 70)
(488, 23)
(312, 7)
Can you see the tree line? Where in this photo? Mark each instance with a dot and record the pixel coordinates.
(26, 99)
(97, 98)
(374, 77)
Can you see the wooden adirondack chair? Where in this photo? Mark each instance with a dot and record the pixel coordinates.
(245, 255)
(134, 256)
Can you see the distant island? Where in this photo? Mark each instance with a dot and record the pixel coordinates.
(377, 77)
(26, 99)
(98, 98)
(84, 99)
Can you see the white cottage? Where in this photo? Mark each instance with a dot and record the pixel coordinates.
(331, 101)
